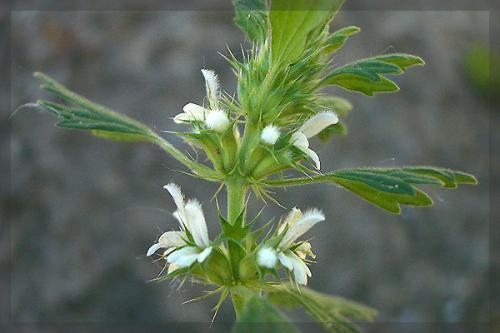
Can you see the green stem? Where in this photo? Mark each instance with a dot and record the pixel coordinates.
(199, 169)
(236, 192)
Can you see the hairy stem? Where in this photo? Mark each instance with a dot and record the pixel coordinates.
(199, 169)
(236, 189)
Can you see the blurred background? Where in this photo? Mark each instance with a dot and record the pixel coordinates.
(84, 210)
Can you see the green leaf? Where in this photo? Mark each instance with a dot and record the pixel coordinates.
(251, 18)
(85, 115)
(292, 21)
(388, 188)
(260, 316)
(337, 39)
(366, 75)
(335, 314)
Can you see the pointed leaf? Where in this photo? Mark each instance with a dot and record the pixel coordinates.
(335, 314)
(366, 75)
(339, 37)
(291, 23)
(251, 18)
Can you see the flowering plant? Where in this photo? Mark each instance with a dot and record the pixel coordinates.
(257, 141)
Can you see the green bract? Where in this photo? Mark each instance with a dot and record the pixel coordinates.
(250, 142)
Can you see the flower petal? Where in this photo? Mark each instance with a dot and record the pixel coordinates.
(313, 156)
(184, 257)
(292, 217)
(176, 193)
(172, 239)
(172, 268)
(195, 222)
(317, 123)
(299, 140)
(300, 269)
(153, 248)
(306, 222)
(204, 254)
(267, 257)
(192, 112)
(285, 260)
(212, 85)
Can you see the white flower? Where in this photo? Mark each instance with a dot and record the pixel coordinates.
(310, 128)
(179, 251)
(217, 120)
(270, 134)
(295, 225)
(192, 112)
(213, 117)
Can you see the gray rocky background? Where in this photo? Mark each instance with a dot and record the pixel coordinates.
(85, 210)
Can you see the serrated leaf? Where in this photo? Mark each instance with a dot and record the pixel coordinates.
(260, 316)
(388, 188)
(337, 39)
(367, 75)
(291, 23)
(251, 18)
(85, 115)
(335, 314)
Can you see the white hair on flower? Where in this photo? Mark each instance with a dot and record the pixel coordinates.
(217, 120)
(267, 257)
(270, 134)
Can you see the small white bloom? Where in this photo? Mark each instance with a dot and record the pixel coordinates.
(192, 112)
(267, 257)
(310, 128)
(318, 122)
(301, 226)
(270, 134)
(217, 120)
(212, 85)
(179, 252)
(293, 226)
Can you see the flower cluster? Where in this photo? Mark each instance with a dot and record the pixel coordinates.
(191, 244)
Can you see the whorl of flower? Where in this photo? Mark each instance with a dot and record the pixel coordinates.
(217, 120)
(310, 128)
(270, 134)
(292, 257)
(180, 252)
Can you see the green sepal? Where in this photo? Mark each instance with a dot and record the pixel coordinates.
(334, 313)
(337, 39)
(217, 268)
